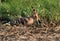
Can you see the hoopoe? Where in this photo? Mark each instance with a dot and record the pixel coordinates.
(28, 20)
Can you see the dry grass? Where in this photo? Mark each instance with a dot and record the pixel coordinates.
(31, 33)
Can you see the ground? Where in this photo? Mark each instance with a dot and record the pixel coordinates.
(31, 33)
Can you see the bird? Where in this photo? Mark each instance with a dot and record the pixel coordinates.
(27, 21)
